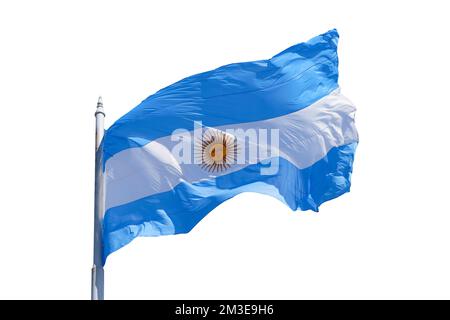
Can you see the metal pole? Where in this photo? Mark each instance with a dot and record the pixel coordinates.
(97, 285)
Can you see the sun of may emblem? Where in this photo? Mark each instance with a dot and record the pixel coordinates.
(217, 151)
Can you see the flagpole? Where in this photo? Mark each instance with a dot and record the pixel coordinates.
(97, 284)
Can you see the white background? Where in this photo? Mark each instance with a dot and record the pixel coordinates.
(388, 238)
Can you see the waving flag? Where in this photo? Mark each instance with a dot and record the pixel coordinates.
(279, 127)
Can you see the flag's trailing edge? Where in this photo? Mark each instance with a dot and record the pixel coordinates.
(304, 143)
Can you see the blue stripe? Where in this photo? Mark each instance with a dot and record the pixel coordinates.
(179, 210)
(235, 93)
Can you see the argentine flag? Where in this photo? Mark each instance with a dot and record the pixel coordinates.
(279, 127)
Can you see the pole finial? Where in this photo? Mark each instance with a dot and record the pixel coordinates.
(100, 107)
(100, 101)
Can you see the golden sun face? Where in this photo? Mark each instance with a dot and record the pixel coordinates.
(217, 151)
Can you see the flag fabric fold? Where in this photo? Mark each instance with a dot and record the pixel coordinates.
(280, 127)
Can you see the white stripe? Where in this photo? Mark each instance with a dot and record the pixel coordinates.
(305, 136)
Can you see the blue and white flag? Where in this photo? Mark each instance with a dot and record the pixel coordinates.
(279, 127)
